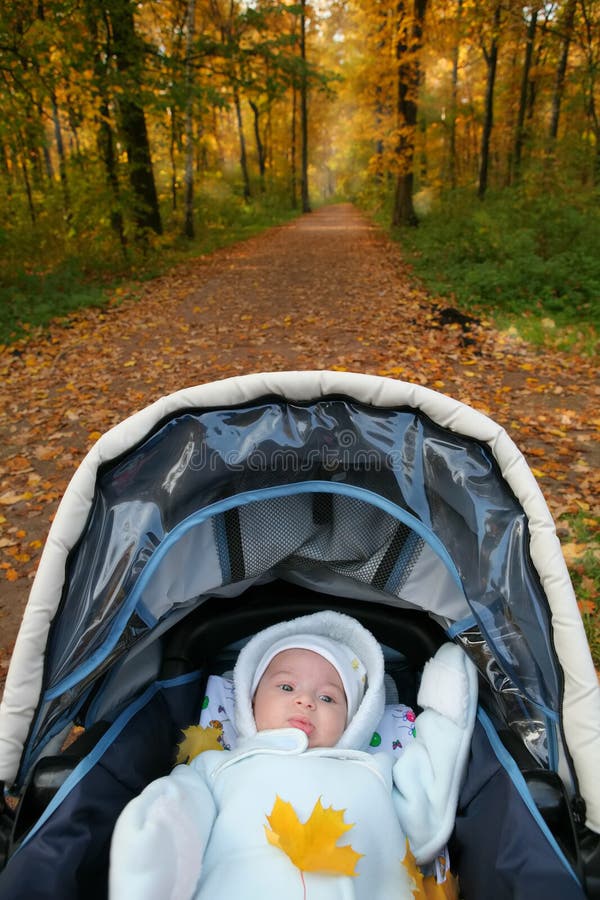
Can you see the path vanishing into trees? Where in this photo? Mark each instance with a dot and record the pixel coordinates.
(328, 290)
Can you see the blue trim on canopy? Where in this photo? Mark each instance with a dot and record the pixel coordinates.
(511, 768)
(461, 625)
(145, 615)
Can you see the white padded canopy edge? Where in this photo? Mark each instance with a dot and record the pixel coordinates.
(581, 710)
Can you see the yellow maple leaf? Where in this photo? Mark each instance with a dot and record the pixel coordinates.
(196, 740)
(427, 888)
(443, 890)
(312, 846)
(414, 873)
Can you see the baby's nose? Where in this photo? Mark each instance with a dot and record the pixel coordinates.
(305, 700)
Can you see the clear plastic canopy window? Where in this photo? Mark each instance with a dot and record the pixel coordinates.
(323, 491)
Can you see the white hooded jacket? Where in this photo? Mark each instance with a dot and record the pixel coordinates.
(209, 829)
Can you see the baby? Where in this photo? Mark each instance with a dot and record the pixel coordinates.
(301, 689)
(299, 809)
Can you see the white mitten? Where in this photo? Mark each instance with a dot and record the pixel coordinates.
(449, 685)
(159, 840)
(429, 774)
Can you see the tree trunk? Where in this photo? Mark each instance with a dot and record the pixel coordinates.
(407, 54)
(141, 177)
(45, 149)
(74, 123)
(559, 85)
(62, 162)
(173, 156)
(33, 137)
(269, 136)
(523, 99)
(454, 100)
(26, 181)
(381, 104)
(304, 113)
(243, 156)
(537, 66)
(590, 46)
(260, 150)
(293, 172)
(491, 58)
(5, 166)
(127, 49)
(104, 139)
(188, 224)
(404, 210)
(106, 148)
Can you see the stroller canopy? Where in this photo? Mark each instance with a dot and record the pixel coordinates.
(357, 486)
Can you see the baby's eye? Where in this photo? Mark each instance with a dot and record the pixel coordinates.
(326, 698)
(286, 687)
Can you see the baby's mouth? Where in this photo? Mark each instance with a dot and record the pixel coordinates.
(303, 724)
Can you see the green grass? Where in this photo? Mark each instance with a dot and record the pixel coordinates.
(32, 299)
(36, 288)
(583, 543)
(528, 260)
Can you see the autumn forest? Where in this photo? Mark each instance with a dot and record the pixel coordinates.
(139, 137)
(126, 120)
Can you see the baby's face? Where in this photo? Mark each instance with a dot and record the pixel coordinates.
(300, 689)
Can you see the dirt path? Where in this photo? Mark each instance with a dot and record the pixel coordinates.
(326, 291)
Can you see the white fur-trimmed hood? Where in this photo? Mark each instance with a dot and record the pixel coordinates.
(334, 625)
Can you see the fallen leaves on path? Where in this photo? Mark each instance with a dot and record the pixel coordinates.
(325, 292)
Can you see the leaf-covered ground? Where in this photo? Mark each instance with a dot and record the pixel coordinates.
(326, 291)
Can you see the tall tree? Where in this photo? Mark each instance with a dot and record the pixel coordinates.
(561, 69)
(188, 224)
(60, 148)
(590, 31)
(105, 140)
(243, 154)
(260, 147)
(525, 89)
(129, 54)
(454, 98)
(304, 190)
(491, 59)
(293, 148)
(408, 47)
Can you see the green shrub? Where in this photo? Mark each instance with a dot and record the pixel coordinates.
(516, 254)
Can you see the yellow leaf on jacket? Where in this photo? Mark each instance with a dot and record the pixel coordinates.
(410, 864)
(443, 890)
(196, 740)
(427, 888)
(312, 846)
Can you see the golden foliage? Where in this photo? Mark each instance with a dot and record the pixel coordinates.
(446, 890)
(312, 846)
(196, 740)
(426, 887)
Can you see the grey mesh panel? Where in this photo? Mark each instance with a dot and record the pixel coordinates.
(347, 535)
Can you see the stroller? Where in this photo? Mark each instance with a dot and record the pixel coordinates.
(230, 506)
